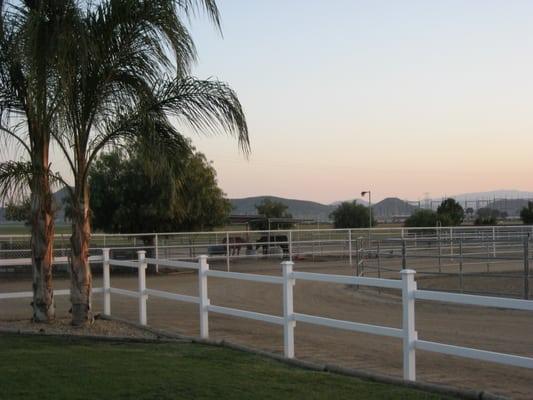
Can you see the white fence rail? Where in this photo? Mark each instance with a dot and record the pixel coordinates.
(229, 245)
(407, 286)
(288, 320)
(57, 292)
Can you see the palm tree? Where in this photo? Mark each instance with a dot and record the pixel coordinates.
(30, 36)
(125, 74)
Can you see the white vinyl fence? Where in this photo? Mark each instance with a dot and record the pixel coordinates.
(16, 262)
(288, 320)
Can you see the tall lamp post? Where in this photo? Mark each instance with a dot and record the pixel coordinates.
(369, 213)
(369, 206)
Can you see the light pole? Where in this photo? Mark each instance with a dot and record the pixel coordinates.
(369, 214)
(369, 206)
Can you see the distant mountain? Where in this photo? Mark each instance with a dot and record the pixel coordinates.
(59, 197)
(304, 209)
(510, 201)
(392, 207)
(298, 208)
(58, 203)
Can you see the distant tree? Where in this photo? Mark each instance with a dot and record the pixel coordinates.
(205, 205)
(450, 213)
(19, 211)
(127, 198)
(351, 215)
(469, 211)
(422, 218)
(271, 209)
(527, 213)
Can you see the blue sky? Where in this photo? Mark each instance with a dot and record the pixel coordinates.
(403, 97)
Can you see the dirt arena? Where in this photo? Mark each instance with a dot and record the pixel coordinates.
(489, 329)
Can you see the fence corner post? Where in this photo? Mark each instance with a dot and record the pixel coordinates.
(141, 254)
(203, 267)
(288, 309)
(408, 324)
(106, 278)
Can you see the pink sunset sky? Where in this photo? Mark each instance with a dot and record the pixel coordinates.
(403, 98)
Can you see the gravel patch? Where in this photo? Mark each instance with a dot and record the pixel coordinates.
(100, 328)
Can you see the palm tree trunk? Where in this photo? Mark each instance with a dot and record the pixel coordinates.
(80, 269)
(42, 240)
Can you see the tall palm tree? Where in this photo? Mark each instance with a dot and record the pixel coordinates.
(30, 36)
(124, 76)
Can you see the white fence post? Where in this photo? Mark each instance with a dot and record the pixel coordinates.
(408, 324)
(227, 251)
(142, 286)
(350, 246)
(288, 309)
(290, 245)
(494, 241)
(156, 253)
(202, 294)
(106, 277)
(451, 241)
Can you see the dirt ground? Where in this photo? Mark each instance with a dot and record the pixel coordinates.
(489, 329)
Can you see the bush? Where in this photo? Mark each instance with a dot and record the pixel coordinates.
(421, 218)
(490, 220)
(351, 215)
(487, 216)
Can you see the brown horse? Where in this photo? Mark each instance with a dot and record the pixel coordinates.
(235, 244)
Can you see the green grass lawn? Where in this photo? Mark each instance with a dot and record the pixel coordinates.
(52, 368)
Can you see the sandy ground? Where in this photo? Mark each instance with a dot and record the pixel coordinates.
(489, 329)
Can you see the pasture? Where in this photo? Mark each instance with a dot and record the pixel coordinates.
(488, 329)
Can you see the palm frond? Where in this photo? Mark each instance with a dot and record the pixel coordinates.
(191, 8)
(207, 106)
(15, 179)
(136, 35)
(146, 127)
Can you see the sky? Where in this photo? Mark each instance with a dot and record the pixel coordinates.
(408, 99)
(403, 98)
